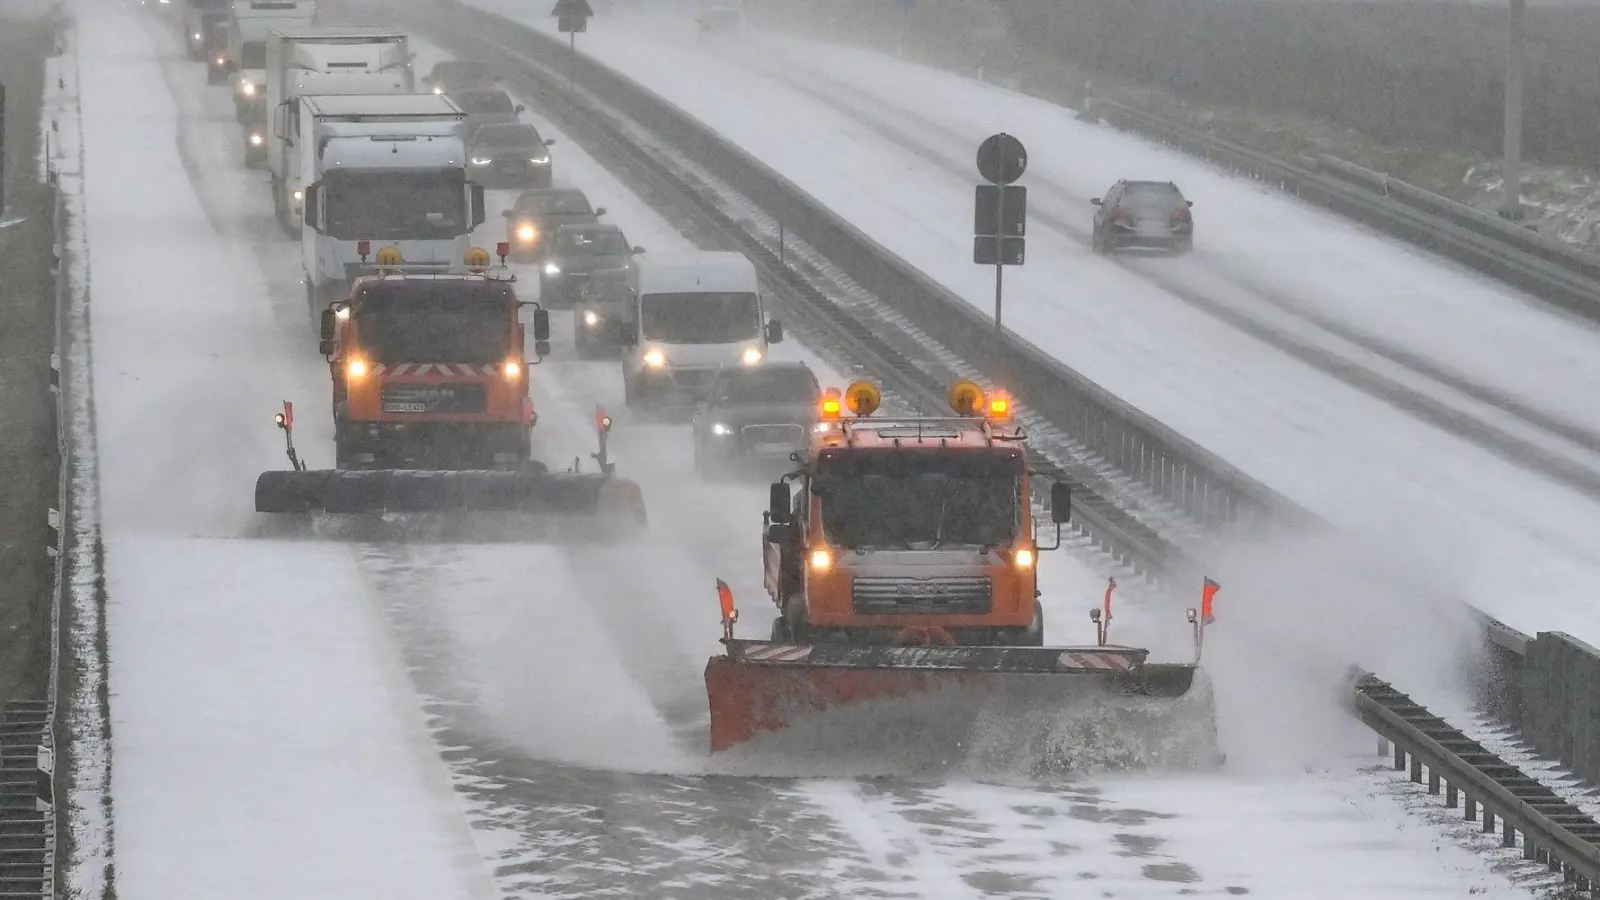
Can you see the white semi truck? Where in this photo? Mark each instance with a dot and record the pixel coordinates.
(385, 174)
(197, 20)
(249, 21)
(322, 60)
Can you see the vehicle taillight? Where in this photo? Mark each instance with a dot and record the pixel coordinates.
(1181, 214)
(1121, 215)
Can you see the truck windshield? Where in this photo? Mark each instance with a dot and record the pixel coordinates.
(395, 330)
(418, 206)
(253, 55)
(919, 499)
(699, 318)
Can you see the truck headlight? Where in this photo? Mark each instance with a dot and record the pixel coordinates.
(526, 232)
(255, 138)
(438, 90)
(552, 269)
(248, 89)
(1024, 558)
(591, 318)
(299, 195)
(751, 356)
(481, 161)
(721, 430)
(540, 161)
(655, 359)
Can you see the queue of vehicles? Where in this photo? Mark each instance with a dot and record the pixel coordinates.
(906, 562)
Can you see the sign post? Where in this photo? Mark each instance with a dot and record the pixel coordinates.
(572, 16)
(1000, 209)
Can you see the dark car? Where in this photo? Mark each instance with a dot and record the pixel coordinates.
(1151, 214)
(538, 213)
(509, 156)
(720, 20)
(755, 415)
(604, 311)
(574, 252)
(485, 106)
(455, 75)
(215, 47)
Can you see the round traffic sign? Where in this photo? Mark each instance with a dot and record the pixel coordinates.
(1002, 159)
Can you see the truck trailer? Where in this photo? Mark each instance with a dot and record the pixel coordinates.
(323, 60)
(249, 22)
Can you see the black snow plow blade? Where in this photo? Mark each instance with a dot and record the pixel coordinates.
(418, 491)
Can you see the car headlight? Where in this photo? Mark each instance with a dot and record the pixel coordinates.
(591, 318)
(197, 35)
(751, 356)
(655, 359)
(248, 88)
(255, 138)
(526, 232)
(299, 195)
(822, 427)
(552, 269)
(721, 430)
(438, 90)
(540, 161)
(481, 161)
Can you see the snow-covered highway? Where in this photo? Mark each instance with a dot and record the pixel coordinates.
(295, 718)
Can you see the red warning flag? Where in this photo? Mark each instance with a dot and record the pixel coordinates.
(730, 613)
(1111, 586)
(1208, 596)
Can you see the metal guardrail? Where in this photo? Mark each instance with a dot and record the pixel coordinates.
(1553, 832)
(1214, 493)
(1471, 218)
(1475, 246)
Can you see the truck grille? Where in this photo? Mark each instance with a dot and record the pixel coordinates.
(434, 398)
(773, 435)
(964, 594)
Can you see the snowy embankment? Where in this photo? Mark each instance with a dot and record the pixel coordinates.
(888, 145)
(263, 738)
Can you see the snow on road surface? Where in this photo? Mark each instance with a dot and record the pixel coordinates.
(264, 741)
(1291, 343)
(265, 738)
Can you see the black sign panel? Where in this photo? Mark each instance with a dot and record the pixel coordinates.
(986, 251)
(572, 24)
(579, 8)
(1000, 210)
(1002, 159)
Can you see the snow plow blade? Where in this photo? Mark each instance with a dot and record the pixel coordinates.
(421, 491)
(759, 687)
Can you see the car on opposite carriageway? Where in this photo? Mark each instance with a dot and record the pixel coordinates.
(456, 74)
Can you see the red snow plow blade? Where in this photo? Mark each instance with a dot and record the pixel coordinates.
(758, 686)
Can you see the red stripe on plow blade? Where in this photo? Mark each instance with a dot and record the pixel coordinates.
(762, 687)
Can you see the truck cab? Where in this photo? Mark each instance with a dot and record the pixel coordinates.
(908, 525)
(197, 15)
(429, 370)
(695, 313)
(385, 170)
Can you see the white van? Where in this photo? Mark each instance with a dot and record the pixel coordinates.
(694, 313)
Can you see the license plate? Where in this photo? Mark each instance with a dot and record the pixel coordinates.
(403, 407)
(771, 449)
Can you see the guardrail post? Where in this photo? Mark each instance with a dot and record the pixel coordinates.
(1535, 700)
(1560, 694)
(1589, 713)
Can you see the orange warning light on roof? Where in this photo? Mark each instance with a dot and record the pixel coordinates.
(999, 407)
(831, 404)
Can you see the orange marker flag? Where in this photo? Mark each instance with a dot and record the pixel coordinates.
(1208, 596)
(725, 595)
(1111, 586)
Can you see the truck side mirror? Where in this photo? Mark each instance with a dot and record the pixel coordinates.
(518, 109)
(479, 213)
(326, 348)
(778, 502)
(506, 213)
(541, 349)
(638, 250)
(313, 192)
(779, 533)
(599, 211)
(1095, 201)
(328, 321)
(541, 325)
(549, 142)
(1060, 503)
(774, 331)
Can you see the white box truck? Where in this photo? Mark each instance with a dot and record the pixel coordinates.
(249, 21)
(387, 174)
(695, 312)
(322, 60)
(197, 21)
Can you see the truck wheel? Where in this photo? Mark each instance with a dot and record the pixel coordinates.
(780, 631)
(1033, 636)
(630, 391)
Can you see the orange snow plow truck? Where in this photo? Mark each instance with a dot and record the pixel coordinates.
(431, 404)
(907, 563)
